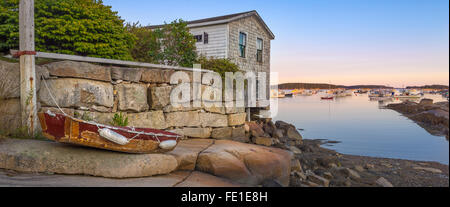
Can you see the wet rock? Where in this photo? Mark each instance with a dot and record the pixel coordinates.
(426, 102)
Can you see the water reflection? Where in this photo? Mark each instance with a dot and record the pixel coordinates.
(364, 127)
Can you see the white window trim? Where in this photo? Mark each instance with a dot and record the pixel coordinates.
(262, 49)
(246, 43)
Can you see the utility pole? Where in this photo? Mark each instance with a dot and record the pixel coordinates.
(27, 65)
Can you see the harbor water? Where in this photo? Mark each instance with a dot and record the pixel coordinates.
(363, 127)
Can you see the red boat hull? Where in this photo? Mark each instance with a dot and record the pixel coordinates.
(65, 129)
(327, 98)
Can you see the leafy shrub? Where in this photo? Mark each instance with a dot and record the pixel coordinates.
(218, 65)
(77, 27)
(172, 44)
(178, 44)
(119, 120)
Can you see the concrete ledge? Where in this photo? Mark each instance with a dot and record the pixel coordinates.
(174, 179)
(45, 156)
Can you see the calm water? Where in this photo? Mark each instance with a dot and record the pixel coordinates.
(363, 128)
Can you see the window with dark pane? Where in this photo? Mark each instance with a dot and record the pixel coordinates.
(205, 38)
(198, 38)
(242, 44)
(259, 50)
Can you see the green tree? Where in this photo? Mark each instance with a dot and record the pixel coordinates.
(79, 27)
(147, 47)
(178, 44)
(172, 44)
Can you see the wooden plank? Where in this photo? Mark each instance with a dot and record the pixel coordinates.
(27, 66)
(106, 61)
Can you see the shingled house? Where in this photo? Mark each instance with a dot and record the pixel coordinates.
(244, 38)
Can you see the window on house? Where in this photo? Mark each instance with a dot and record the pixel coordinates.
(242, 44)
(259, 50)
(198, 38)
(205, 38)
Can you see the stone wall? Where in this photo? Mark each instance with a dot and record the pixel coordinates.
(143, 94)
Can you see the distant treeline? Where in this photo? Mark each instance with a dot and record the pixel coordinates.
(325, 86)
(428, 87)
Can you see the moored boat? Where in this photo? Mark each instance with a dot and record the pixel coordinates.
(327, 98)
(66, 129)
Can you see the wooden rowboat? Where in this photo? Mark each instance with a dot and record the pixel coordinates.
(66, 129)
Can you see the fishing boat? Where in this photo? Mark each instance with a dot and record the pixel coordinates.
(66, 129)
(327, 98)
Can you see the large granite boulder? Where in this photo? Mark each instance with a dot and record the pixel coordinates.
(194, 132)
(79, 70)
(10, 115)
(75, 93)
(151, 119)
(236, 119)
(187, 152)
(156, 75)
(132, 97)
(127, 74)
(182, 119)
(10, 79)
(159, 97)
(246, 163)
(213, 120)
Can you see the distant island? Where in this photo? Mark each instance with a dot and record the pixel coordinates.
(439, 87)
(326, 86)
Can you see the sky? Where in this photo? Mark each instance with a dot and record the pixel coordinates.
(387, 42)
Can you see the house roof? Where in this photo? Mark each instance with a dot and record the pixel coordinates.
(223, 20)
